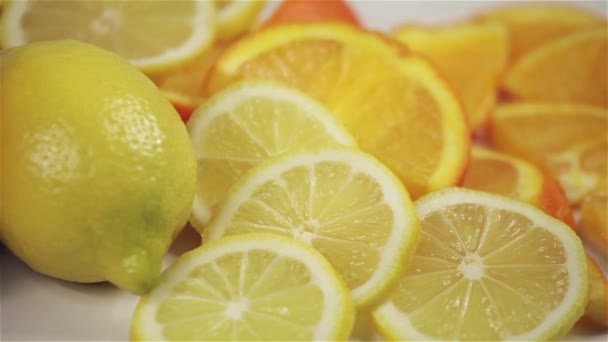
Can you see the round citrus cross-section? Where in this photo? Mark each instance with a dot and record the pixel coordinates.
(341, 201)
(250, 287)
(487, 268)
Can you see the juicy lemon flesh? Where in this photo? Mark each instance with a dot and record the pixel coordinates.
(244, 288)
(343, 215)
(235, 18)
(254, 295)
(252, 132)
(107, 23)
(383, 123)
(490, 283)
(97, 176)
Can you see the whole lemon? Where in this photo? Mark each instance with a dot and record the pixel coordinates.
(98, 172)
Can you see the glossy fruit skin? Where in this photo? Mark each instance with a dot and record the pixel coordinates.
(98, 174)
(317, 10)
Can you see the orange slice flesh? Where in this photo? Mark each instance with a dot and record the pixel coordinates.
(396, 105)
(571, 69)
(568, 141)
(471, 56)
(530, 26)
(596, 312)
(509, 176)
(184, 86)
(594, 218)
(535, 130)
(580, 167)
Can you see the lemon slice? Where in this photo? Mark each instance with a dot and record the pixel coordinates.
(487, 268)
(235, 17)
(244, 125)
(245, 288)
(341, 201)
(152, 35)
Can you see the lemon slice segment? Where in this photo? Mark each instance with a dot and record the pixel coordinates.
(235, 17)
(487, 268)
(341, 201)
(245, 288)
(244, 125)
(152, 35)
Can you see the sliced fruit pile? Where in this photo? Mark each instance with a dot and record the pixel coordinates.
(250, 287)
(394, 103)
(244, 125)
(274, 156)
(173, 42)
(421, 184)
(166, 36)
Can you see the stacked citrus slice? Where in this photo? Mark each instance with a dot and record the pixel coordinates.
(248, 287)
(395, 104)
(174, 43)
(558, 84)
(341, 201)
(183, 86)
(246, 124)
(141, 31)
(533, 25)
(570, 69)
(236, 17)
(567, 140)
(502, 174)
(596, 312)
(495, 268)
(471, 56)
(594, 218)
(505, 175)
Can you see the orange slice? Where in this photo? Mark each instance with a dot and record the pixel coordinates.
(505, 175)
(471, 56)
(396, 105)
(594, 218)
(570, 69)
(531, 26)
(563, 139)
(184, 86)
(596, 312)
(305, 10)
(580, 167)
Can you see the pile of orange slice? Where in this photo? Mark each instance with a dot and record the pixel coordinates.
(512, 101)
